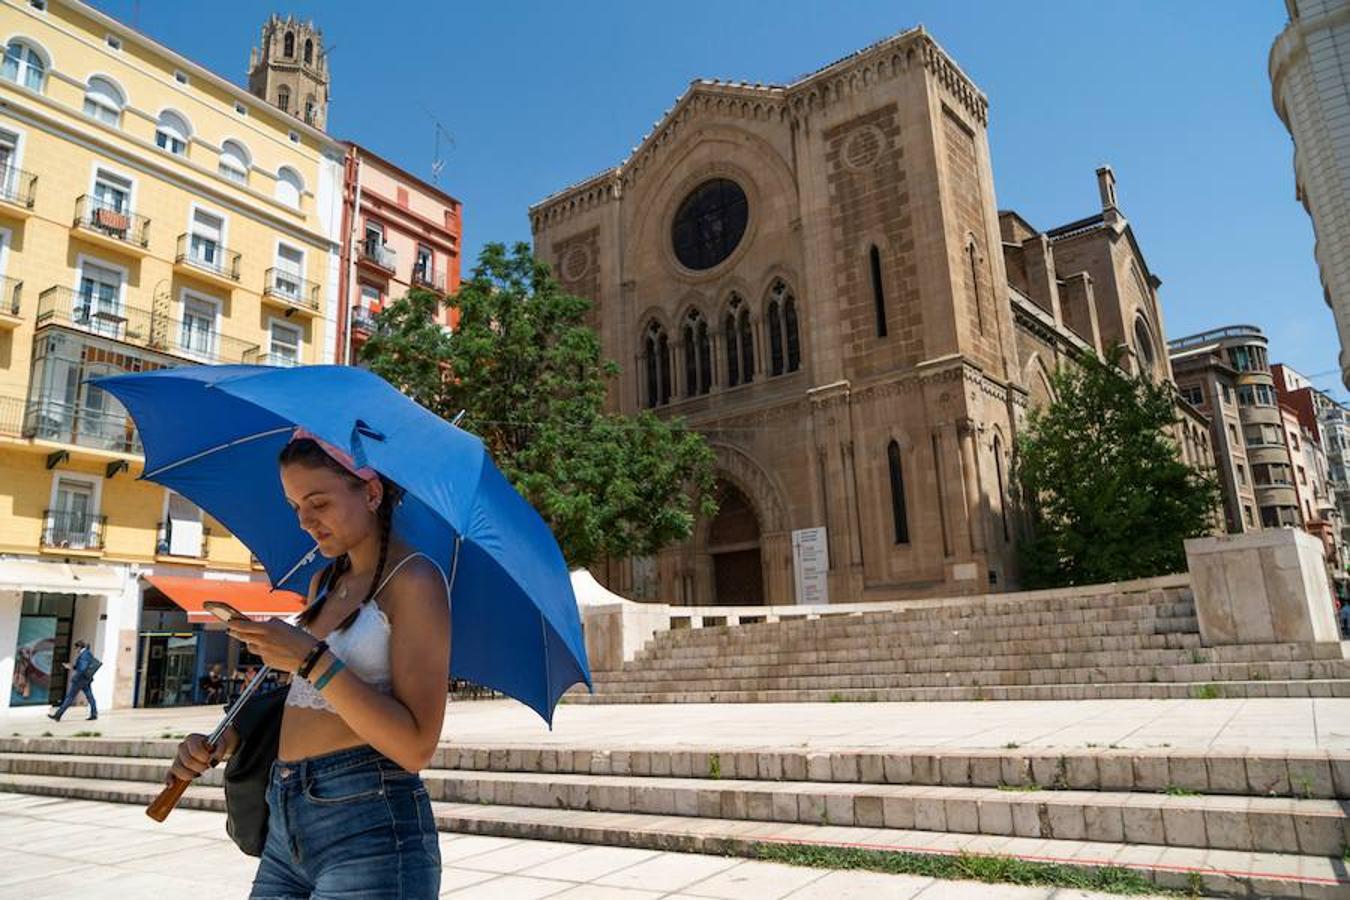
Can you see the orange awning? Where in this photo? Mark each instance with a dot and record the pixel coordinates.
(255, 599)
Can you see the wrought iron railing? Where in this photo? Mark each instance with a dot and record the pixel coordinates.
(375, 251)
(433, 280)
(11, 416)
(291, 288)
(207, 255)
(67, 530)
(164, 542)
(11, 292)
(280, 360)
(18, 187)
(49, 419)
(92, 214)
(363, 320)
(142, 327)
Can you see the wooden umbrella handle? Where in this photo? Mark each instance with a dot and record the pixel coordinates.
(162, 805)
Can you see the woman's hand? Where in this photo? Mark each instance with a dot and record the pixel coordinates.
(195, 755)
(280, 644)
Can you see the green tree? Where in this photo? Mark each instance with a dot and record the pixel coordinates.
(530, 375)
(1108, 495)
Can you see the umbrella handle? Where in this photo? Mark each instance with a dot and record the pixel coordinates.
(162, 805)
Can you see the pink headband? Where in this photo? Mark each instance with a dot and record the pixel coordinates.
(343, 458)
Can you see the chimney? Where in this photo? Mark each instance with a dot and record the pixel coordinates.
(1106, 187)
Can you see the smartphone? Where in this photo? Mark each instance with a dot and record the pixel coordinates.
(224, 611)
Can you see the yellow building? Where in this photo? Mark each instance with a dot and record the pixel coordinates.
(152, 214)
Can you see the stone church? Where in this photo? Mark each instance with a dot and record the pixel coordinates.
(816, 276)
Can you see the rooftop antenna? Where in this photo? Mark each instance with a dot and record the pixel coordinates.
(437, 163)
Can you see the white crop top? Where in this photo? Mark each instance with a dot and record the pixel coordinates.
(363, 646)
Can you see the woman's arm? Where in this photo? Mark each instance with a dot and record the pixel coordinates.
(407, 726)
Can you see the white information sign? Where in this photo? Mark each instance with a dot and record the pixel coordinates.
(811, 565)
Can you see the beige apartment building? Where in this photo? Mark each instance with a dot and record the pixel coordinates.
(817, 277)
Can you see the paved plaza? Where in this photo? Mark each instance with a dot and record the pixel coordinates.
(1222, 724)
(60, 849)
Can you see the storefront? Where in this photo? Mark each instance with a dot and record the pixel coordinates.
(179, 644)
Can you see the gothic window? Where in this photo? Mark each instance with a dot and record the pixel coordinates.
(973, 256)
(709, 224)
(288, 44)
(898, 514)
(739, 343)
(1002, 493)
(309, 109)
(878, 294)
(309, 51)
(1143, 343)
(284, 98)
(697, 355)
(656, 360)
(785, 353)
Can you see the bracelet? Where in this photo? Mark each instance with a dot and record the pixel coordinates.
(337, 666)
(311, 658)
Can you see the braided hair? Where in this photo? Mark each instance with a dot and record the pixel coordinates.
(307, 452)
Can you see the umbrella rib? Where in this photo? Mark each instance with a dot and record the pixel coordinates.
(196, 456)
(307, 558)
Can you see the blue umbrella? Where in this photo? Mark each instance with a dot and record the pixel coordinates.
(213, 434)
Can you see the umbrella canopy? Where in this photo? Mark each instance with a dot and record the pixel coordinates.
(213, 434)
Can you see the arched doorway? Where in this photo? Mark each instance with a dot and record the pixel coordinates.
(733, 543)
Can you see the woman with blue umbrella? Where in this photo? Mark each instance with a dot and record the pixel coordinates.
(348, 815)
(420, 563)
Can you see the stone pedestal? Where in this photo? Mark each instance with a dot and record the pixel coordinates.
(615, 632)
(1264, 587)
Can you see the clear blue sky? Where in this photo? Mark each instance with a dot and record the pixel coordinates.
(537, 95)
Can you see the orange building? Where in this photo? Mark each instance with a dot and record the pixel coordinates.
(399, 232)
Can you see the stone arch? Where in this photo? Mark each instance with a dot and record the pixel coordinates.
(734, 465)
(1036, 378)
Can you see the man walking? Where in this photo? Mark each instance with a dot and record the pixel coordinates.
(81, 679)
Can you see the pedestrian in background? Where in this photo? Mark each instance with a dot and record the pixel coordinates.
(81, 681)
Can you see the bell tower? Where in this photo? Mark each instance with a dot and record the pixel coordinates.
(289, 69)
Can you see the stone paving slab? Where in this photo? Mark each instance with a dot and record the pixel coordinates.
(475, 868)
(1266, 724)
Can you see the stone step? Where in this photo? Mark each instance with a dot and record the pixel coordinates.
(1146, 663)
(722, 678)
(1216, 872)
(873, 625)
(1116, 691)
(1317, 775)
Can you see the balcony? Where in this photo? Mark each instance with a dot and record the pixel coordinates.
(375, 254)
(207, 260)
(363, 321)
(139, 327)
(18, 191)
(101, 223)
(279, 360)
(49, 419)
(187, 543)
(290, 292)
(67, 530)
(434, 281)
(11, 291)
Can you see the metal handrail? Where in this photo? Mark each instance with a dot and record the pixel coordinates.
(66, 530)
(93, 214)
(279, 282)
(164, 541)
(11, 290)
(48, 419)
(18, 187)
(223, 262)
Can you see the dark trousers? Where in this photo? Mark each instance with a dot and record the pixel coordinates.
(76, 686)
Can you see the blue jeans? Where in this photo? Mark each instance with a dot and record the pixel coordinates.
(78, 685)
(348, 825)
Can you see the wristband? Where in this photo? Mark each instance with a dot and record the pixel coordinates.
(337, 666)
(311, 658)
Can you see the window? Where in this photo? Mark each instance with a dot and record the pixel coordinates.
(293, 137)
(309, 109)
(235, 161)
(697, 355)
(1226, 394)
(205, 239)
(656, 363)
(739, 342)
(288, 44)
(424, 269)
(899, 517)
(111, 192)
(374, 237)
(172, 133)
(1293, 441)
(1302, 476)
(103, 100)
(709, 224)
(99, 304)
(74, 516)
(1256, 395)
(973, 257)
(24, 65)
(198, 334)
(878, 293)
(1002, 495)
(240, 108)
(784, 344)
(1247, 513)
(1143, 342)
(283, 344)
(183, 534)
(309, 51)
(284, 98)
(1193, 394)
(39, 5)
(1242, 474)
(114, 41)
(289, 187)
(1232, 433)
(180, 76)
(289, 272)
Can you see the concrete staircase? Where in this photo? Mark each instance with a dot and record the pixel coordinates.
(1084, 644)
(1231, 824)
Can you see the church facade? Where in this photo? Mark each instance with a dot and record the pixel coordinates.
(816, 276)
